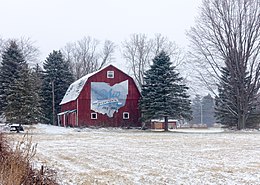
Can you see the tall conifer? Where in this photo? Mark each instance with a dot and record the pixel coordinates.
(56, 80)
(226, 104)
(208, 108)
(11, 66)
(20, 100)
(163, 94)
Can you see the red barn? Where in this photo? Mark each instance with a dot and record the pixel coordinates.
(107, 97)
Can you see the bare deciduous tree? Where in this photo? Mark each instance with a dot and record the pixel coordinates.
(163, 43)
(30, 52)
(1, 44)
(1, 48)
(227, 34)
(27, 46)
(106, 53)
(85, 56)
(139, 51)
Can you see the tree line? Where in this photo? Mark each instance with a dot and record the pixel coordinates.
(225, 42)
(31, 95)
(203, 110)
(224, 54)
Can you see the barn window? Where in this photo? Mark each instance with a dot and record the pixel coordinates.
(110, 74)
(93, 115)
(126, 115)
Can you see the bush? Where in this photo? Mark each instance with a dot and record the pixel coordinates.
(16, 164)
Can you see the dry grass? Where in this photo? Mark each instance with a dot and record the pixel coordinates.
(16, 164)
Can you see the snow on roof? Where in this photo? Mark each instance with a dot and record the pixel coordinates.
(68, 111)
(76, 87)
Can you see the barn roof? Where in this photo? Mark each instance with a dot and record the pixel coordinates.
(75, 88)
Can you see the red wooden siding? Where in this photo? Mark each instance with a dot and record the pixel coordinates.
(82, 104)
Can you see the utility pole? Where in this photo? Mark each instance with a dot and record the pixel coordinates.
(201, 114)
(53, 103)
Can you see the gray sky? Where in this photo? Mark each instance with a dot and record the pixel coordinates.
(53, 23)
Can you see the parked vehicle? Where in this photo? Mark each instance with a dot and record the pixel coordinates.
(16, 127)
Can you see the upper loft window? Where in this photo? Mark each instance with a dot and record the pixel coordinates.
(110, 74)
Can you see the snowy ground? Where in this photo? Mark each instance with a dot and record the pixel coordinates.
(115, 156)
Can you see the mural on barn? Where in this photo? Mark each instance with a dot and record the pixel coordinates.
(106, 99)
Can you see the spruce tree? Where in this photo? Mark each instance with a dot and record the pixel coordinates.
(163, 95)
(208, 110)
(196, 108)
(226, 104)
(20, 100)
(36, 81)
(19, 90)
(11, 65)
(56, 79)
(1, 91)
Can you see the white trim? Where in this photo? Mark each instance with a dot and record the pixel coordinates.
(77, 118)
(93, 113)
(126, 113)
(66, 112)
(110, 74)
(64, 120)
(58, 120)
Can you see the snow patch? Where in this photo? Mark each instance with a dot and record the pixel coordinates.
(197, 130)
(4, 127)
(118, 156)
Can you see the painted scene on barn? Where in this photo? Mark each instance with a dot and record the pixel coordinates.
(107, 98)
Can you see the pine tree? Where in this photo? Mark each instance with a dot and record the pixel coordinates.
(19, 101)
(196, 108)
(163, 95)
(11, 65)
(226, 104)
(56, 79)
(19, 90)
(208, 110)
(1, 91)
(36, 81)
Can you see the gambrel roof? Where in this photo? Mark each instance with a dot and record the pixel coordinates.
(76, 87)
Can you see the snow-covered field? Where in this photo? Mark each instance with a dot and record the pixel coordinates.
(115, 156)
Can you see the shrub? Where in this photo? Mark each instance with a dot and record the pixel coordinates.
(16, 164)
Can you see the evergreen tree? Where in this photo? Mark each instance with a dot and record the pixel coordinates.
(208, 110)
(196, 108)
(163, 95)
(226, 104)
(254, 117)
(1, 91)
(11, 65)
(19, 91)
(36, 81)
(21, 98)
(56, 80)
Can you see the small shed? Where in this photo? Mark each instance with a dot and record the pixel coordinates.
(108, 97)
(159, 123)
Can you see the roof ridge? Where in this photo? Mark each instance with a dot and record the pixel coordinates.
(76, 87)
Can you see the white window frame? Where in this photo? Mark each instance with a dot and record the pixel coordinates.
(126, 113)
(93, 113)
(110, 74)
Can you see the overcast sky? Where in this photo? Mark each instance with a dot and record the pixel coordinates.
(53, 23)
